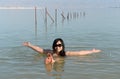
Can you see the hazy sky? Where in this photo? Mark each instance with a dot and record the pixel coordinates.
(18, 2)
(61, 3)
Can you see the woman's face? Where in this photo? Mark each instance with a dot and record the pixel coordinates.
(58, 46)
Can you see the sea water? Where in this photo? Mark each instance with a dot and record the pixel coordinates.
(99, 28)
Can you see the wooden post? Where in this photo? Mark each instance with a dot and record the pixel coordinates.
(46, 19)
(35, 21)
(83, 13)
(55, 17)
(45, 15)
(50, 17)
(68, 16)
(62, 14)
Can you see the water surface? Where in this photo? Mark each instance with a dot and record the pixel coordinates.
(98, 28)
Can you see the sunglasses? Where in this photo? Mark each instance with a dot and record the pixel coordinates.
(58, 45)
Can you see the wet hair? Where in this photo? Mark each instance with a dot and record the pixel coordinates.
(62, 52)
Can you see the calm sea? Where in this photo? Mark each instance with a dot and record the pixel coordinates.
(83, 30)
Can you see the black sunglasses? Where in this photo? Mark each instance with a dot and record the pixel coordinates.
(58, 45)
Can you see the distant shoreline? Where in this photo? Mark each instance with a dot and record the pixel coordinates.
(17, 7)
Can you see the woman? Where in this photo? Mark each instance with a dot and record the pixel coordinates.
(58, 50)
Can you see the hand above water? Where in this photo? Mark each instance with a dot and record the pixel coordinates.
(49, 59)
(96, 50)
(26, 43)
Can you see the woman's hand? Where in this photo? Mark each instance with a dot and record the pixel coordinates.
(96, 50)
(49, 59)
(26, 44)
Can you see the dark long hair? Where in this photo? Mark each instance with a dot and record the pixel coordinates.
(62, 52)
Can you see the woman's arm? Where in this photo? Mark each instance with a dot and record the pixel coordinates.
(80, 53)
(36, 48)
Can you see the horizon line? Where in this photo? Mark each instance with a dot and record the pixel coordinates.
(19, 7)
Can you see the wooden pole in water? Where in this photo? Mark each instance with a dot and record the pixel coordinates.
(45, 15)
(68, 16)
(50, 17)
(83, 13)
(55, 17)
(62, 14)
(35, 21)
(46, 20)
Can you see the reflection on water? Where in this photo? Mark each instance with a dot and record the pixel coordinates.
(56, 69)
